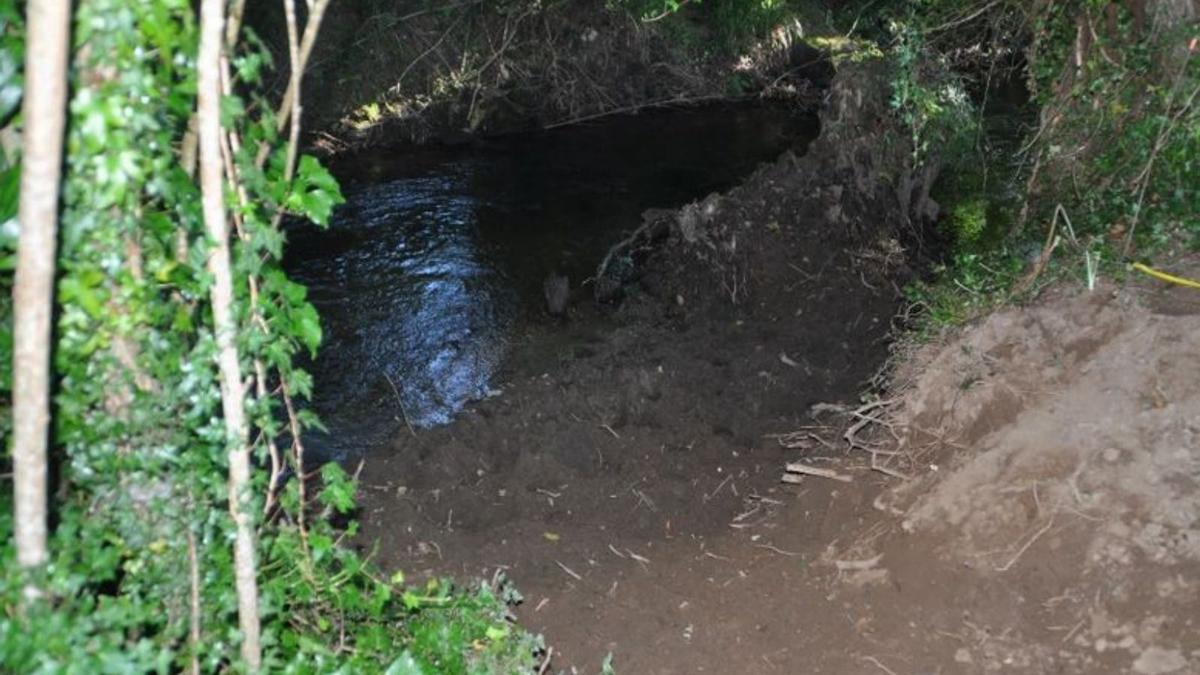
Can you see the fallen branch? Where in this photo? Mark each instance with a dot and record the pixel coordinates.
(600, 293)
(797, 467)
(663, 103)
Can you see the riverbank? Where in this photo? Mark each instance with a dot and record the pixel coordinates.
(641, 436)
(404, 72)
(970, 513)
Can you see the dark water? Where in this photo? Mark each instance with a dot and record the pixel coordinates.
(439, 253)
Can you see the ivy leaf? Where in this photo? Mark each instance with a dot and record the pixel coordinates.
(314, 192)
(405, 665)
(338, 491)
(232, 109)
(307, 325)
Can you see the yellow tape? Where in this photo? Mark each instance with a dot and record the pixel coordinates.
(1166, 277)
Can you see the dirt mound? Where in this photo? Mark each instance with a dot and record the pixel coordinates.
(1059, 503)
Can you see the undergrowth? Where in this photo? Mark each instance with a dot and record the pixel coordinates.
(140, 577)
(1106, 175)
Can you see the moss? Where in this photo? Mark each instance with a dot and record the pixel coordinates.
(968, 221)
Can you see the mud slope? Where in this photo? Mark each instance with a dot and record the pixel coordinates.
(621, 441)
(1061, 532)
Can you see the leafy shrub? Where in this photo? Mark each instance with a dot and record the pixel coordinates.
(141, 573)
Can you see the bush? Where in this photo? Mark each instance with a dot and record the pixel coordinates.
(141, 576)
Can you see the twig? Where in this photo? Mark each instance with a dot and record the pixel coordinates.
(864, 420)
(875, 662)
(1160, 141)
(1047, 250)
(712, 494)
(888, 471)
(662, 103)
(298, 457)
(798, 467)
(427, 52)
(1017, 556)
(546, 663)
(775, 549)
(400, 402)
(194, 567)
(569, 571)
(316, 11)
(289, 167)
(965, 19)
(642, 559)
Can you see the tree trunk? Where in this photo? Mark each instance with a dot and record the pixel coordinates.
(224, 324)
(33, 293)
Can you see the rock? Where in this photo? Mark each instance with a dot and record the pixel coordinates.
(557, 289)
(1156, 661)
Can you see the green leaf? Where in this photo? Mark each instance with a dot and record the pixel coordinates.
(232, 110)
(307, 326)
(314, 192)
(405, 665)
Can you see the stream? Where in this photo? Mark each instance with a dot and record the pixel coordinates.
(439, 253)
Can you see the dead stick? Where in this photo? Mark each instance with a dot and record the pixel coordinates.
(1037, 535)
(400, 402)
(798, 467)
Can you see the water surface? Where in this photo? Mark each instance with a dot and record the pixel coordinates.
(440, 253)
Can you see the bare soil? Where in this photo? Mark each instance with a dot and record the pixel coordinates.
(1049, 524)
(1036, 511)
(624, 476)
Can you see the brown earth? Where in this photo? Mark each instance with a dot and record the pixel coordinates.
(1049, 524)
(604, 477)
(1025, 499)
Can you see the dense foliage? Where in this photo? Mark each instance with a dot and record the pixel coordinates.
(1100, 172)
(141, 571)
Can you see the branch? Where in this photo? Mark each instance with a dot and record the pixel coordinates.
(194, 630)
(291, 95)
(289, 167)
(233, 393)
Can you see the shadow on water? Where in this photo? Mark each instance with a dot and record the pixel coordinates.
(439, 254)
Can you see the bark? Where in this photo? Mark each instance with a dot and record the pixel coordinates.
(233, 393)
(33, 292)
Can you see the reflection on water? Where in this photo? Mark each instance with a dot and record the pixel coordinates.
(437, 254)
(406, 299)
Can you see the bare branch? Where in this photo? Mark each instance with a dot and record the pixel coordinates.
(232, 389)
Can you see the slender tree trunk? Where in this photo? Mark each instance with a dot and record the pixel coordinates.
(44, 115)
(233, 393)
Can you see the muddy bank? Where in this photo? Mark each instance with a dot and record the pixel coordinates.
(1050, 522)
(402, 71)
(629, 462)
(440, 256)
